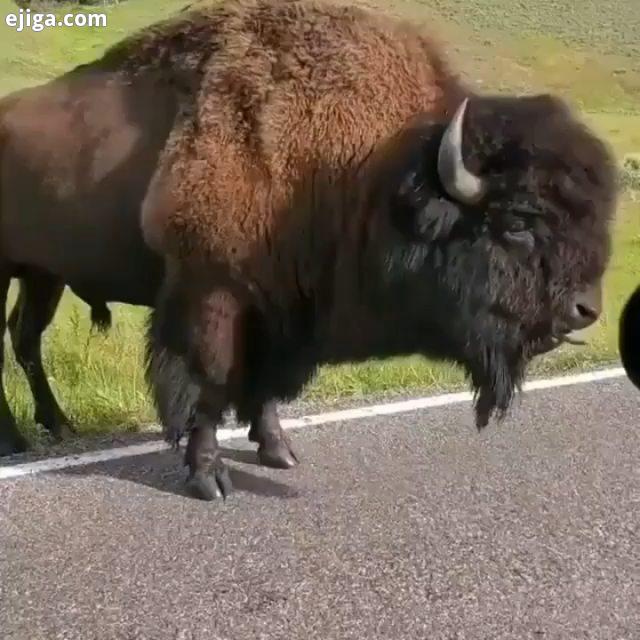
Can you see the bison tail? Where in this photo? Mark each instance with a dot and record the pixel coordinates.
(174, 393)
(101, 318)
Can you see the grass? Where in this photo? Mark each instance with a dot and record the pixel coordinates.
(30, 57)
(501, 45)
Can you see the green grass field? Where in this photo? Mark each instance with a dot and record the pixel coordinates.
(554, 45)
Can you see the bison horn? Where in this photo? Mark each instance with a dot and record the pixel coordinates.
(458, 181)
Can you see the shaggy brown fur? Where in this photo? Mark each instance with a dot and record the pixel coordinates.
(295, 91)
(300, 213)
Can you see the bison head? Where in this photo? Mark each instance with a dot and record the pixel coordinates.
(499, 236)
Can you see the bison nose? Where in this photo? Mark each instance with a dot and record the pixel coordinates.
(586, 309)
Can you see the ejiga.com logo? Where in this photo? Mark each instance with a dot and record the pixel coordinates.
(37, 21)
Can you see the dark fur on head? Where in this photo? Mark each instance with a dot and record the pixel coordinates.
(502, 270)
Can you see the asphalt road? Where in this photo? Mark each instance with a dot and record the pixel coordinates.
(407, 526)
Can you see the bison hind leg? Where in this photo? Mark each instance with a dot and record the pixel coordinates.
(274, 446)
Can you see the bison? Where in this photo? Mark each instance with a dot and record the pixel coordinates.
(331, 192)
(76, 157)
(629, 337)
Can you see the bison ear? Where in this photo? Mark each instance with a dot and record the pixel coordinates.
(419, 213)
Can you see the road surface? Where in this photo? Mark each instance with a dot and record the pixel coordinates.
(401, 526)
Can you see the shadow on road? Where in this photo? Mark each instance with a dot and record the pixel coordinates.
(165, 472)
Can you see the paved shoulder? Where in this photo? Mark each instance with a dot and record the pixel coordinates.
(407, 526)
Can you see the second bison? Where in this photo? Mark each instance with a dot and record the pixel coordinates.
(330, 192)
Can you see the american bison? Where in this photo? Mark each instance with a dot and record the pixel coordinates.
(76, 157)
(629, 337)
(331, 192)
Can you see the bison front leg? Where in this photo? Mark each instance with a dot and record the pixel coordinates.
(33, 312)
(185, 407)
(208, 474)
(11, 441)
(195, 358)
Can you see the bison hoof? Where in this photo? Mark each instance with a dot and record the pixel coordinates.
(12, 445)
(63, 432)
(205, 486)
(58, 426)
(277, 455)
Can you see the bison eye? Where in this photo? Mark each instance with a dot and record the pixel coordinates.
(526, 209)
(522, 239)
(515, 231)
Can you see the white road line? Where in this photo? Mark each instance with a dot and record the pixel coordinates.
(91, 457)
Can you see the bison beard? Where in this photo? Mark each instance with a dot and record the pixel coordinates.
(330, 193)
